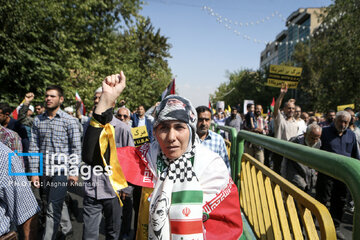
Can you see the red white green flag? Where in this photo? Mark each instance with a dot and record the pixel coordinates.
(272, 105)
(169, 90)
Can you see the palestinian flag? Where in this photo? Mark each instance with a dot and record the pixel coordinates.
(82, 107)
(169, 90)
(272, 105)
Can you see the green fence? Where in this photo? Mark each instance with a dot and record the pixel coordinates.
(337, 166)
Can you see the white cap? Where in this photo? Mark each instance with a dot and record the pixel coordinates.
(99, 90)
(31, 107)
(69, 109)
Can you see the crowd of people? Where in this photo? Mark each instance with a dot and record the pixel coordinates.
(183, 162)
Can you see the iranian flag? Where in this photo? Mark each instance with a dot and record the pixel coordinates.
(82, 107)
(186, 212)
(15, 113)
(169, 90)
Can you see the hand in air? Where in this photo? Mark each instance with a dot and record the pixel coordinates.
(113, 86)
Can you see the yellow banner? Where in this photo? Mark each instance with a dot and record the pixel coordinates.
(278, 75)
(342, 107)
(140, 135)
(278, 83)
(286, 70)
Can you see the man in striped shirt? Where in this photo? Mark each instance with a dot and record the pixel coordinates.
(17, 202)
(56, 135)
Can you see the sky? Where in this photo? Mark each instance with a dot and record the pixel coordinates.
(204, 50)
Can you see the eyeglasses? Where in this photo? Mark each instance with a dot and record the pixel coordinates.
(120, 115)
(37, 108)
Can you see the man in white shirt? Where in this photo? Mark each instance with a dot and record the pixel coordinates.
(301, 123)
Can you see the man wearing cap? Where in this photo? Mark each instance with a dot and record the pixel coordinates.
(100, 198)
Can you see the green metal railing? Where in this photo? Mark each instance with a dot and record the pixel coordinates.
(233, 151)
(343, 168)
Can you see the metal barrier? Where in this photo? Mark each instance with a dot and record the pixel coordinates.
(233, 151)
(337, 166)
(274, 206)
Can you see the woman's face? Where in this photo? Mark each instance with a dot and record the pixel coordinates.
(173, 137)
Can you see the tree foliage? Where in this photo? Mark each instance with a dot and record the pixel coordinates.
(330, 62)
(245, 84)
(75, 44)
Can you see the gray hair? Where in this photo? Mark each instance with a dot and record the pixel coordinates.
(343, 114)
(126, 109)
(312, 127)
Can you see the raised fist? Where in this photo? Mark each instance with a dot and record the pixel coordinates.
(29, 97)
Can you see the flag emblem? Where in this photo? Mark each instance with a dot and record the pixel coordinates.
(186, 211)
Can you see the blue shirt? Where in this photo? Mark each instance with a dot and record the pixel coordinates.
(216, 143)
(344, 145)
(54, 136)
(17, 201)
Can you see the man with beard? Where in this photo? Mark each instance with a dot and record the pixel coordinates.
(299, 174)
(234, 120)
(56, 135)
(123, 114)
(336, 138)
(208, 138)
(285, 125)
(261, 128)
(330, 117)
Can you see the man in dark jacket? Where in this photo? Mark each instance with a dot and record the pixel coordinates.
(139, 119)
(299, 174)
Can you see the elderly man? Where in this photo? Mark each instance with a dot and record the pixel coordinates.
(300, 175)
(285, 126)
(124, 114)
(336, 138)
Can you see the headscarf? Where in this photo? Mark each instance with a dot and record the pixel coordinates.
(177, 193)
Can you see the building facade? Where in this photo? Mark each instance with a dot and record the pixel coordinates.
(300, 26)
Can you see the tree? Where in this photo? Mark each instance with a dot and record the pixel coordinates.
(75, 44)
(330, 61)
(245, 84)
